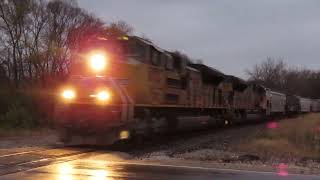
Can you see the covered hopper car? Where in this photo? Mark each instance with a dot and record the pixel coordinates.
(306, 105)
(276, 102)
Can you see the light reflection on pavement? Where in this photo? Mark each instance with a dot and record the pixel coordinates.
(108, 167)
(96, 171)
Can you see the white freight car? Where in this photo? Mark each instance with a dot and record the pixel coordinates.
(276, 102)
(317, 107)
(305, 104)
(314, 105)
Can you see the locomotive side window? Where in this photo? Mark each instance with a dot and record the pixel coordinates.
(163, 59)
(155, 57)
(176, 63)
(175, 83)
(126, 48)
(169, 63)
(139, 50)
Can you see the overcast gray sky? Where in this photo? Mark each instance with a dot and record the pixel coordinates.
(230, 35)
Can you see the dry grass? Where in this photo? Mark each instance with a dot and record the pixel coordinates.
(296, 137)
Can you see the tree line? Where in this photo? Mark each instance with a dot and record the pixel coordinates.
(37, 38)
(274, 73)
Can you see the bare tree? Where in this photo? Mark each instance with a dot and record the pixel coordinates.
(33, 38)
(270, 73)
(38, 38)
(13, 16)
(67, 26)
(119, 28)
(275, 74)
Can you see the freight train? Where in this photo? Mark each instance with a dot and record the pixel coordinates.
(127, 86)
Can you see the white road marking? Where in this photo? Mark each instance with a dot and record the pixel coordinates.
(208, 168)
(19, 153)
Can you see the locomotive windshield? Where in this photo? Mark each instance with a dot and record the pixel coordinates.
(96, 56)
(113, 46)
(89, 82)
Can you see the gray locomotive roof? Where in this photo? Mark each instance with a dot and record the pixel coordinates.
(192, 69)
(209, 74)
(238, 83)
(149, 43)
(208, 70)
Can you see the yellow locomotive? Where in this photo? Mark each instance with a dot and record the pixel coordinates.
(127, 86)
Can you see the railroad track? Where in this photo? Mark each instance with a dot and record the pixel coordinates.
(3, 155)
(15, 160)
(25, 160)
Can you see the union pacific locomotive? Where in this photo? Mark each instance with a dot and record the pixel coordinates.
(127, 86)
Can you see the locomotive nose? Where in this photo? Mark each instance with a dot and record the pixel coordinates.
(89, 90)
(91, 100)
(81, 96)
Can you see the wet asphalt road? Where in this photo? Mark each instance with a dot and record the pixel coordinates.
(115, 166)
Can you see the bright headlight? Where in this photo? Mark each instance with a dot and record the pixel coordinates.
(68, 94)
(98, 62)
(103, 95)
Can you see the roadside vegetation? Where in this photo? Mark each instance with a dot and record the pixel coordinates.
(18, 111)
(294, 138)
(24, 109)
(37, 39)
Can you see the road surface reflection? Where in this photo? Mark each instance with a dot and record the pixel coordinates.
(98, 170)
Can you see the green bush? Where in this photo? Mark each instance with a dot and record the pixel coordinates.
(18, 110)
(18, 117)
